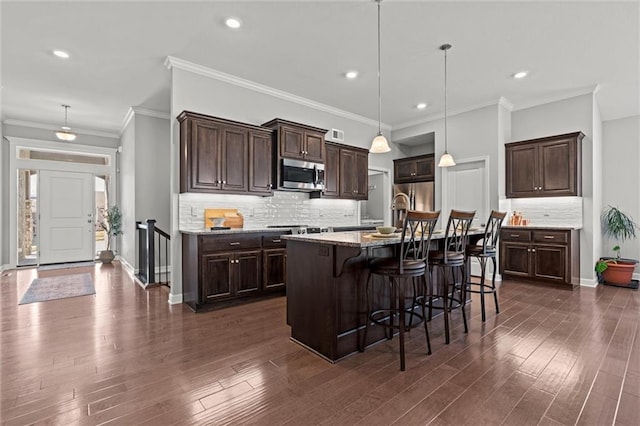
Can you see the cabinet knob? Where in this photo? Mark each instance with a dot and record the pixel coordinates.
(533, 250)
(224, 182)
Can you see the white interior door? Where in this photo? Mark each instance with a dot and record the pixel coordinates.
(467, 188)
(66, 207)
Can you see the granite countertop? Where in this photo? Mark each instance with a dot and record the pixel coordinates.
(543, 227)
(361, 239)
(233, 231)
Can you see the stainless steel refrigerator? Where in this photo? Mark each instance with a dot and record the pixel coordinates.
(419, 196)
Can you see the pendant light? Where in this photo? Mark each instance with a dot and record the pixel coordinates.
(446, 160)
(66, 134)
(379, 144)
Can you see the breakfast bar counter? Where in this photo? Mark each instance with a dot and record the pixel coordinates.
(326, 279)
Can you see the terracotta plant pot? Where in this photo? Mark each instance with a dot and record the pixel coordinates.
(619, 274)
(106, 256)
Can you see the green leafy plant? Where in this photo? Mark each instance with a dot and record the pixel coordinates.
(112, 223)
(618, 226)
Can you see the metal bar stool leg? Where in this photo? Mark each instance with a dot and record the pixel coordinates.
(493, 285)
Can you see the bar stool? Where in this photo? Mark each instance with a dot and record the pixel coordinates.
(409, 263)
(483, 252)
(451, 257)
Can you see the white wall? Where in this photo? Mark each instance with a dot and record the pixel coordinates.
(152, 157)
(127, 194)
(621, 175)
(566, 116)
(4, 201)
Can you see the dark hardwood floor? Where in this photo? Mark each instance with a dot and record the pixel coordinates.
(124, 356)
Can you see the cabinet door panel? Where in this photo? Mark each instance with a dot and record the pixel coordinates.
(274, 269)
(205, 155)
(557, 168)
(347, 166)
(314, 147)
(521, 166)
(361, 176)
(425, 169)
(332, 171)
(260, 163)
(550, 263)
(291, 142)
(514, 259)
(247, 272)
(216, 277)
(235, 154)
(404, 171)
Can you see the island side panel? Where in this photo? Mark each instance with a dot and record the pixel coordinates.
(311, 296)
(190, 270)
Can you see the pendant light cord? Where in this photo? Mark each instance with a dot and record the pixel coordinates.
(379, 89)
(445, 101)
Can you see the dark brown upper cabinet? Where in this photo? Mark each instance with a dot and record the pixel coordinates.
(414, 169)
(218, 155)
(298, 141)
(345, 172)
(545, 167)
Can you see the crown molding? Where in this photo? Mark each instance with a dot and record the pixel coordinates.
(142, 111)
(53, 127)
(589, 90)
(172, 62)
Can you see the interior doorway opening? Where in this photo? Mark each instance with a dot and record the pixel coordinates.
(102, 203)
(27, 217)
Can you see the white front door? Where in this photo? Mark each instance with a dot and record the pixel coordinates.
(66, 207)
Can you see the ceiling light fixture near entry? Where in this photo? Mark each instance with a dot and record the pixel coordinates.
(66, 134)
(233, 23)
(351, 74)
(421, 105)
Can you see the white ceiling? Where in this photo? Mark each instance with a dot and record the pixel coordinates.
(304, 47)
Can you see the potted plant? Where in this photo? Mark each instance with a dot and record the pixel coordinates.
(620, 227)
(112, 225)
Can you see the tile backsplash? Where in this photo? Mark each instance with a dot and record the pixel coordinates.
(546, 211)
(284, 208)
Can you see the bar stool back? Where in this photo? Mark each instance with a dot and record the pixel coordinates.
(483, 252)
(450, 258)
(409, 263)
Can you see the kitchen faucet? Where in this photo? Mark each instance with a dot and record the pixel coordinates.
(397, 212)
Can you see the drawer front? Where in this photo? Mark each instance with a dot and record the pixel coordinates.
(515, 235)
(558, 237)
(209, 243)
(274, 240)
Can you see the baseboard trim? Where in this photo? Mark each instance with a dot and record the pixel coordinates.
(592, 283)
(4, 268)
(127, 266)
(175, 299)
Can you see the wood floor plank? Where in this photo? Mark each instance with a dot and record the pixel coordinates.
(124, 356)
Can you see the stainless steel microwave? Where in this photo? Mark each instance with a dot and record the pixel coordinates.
(301, 175)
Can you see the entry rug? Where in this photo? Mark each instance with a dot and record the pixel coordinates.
(61, 287)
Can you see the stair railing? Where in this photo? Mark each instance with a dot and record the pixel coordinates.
(153, 254)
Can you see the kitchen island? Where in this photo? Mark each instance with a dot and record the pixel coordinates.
(326, 279)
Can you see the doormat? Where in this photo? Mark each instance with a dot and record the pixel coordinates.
(61, 287)
(633, 285)
(65, 265)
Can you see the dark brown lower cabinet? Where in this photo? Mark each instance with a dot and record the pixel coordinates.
(274, 269)
(227, 269)
(545, 254)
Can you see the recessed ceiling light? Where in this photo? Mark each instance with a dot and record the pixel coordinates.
(233, 23)
(61, 54)
(521, 74)
(421, 105)
(351, 74)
